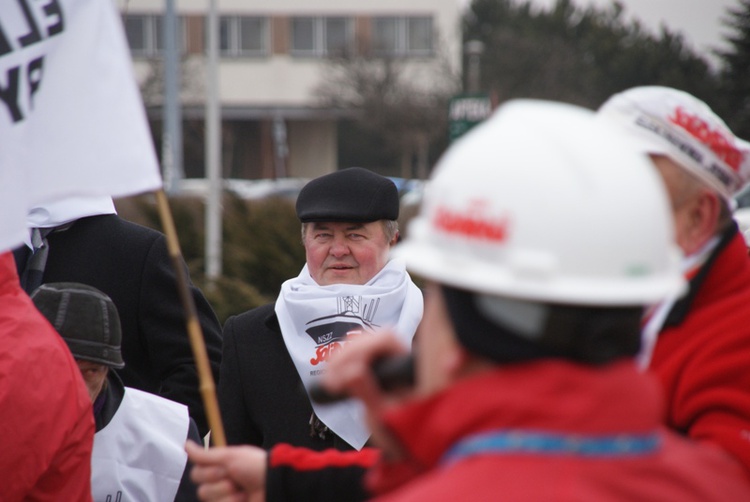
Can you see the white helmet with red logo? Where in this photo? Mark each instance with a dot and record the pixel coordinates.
(666, 121)
(544, 203)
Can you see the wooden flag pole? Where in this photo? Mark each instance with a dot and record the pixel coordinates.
(206, 379)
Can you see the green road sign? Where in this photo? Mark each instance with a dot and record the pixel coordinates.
(465, 111)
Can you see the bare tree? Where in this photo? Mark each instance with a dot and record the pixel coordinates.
(191, 81)
(403, 102)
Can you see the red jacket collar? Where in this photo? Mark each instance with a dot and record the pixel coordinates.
(718, 274)
(552, 396)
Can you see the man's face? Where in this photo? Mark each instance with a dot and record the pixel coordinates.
(345, 253)
(683, 193)
(94, 374)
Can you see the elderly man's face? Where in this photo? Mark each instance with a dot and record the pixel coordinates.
(345, 253)
(94, 374)
(686, 194)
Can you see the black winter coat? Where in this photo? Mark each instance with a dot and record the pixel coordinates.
(261, 396)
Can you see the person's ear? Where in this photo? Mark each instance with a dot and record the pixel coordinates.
(395, 239)
(702, 220)
(455, 361)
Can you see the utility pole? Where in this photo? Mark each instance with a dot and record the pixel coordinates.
(474, 50)
(171, 148)
(472, 106)
(281, 148)
(213, 149)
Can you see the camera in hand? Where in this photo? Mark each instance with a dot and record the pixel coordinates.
(391, 373)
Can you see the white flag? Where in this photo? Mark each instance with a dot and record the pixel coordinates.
(71, 118)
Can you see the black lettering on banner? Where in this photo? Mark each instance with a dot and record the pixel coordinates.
(33, 36)
(27, 75)
(34, 76)
(53, 9)
(5, 47)
(118, 495)
(9, 94)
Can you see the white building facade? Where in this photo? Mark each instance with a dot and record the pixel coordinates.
(272, 58)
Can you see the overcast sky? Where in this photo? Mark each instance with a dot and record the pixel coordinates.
(699, 21)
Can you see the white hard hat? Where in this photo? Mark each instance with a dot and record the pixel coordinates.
(541, 202)
(670, 122)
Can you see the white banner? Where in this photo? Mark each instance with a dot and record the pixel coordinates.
(71, 118)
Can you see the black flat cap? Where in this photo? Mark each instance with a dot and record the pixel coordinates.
(353, 194)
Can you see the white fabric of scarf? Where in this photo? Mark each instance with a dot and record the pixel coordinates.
(655, 321)
(390, 299)
(60, 212)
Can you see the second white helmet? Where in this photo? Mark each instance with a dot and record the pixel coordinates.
(542, 202)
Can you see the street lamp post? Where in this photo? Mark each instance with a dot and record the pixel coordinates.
(474, 50)
(213, 149)
(172, 115)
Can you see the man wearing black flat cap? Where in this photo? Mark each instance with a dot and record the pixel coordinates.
(348, 288)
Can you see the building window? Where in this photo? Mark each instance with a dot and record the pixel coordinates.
(402, 36)
(243, 36)
(144, 34)
(321, 36)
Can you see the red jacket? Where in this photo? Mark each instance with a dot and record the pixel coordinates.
(702, 355)
(46, 418)
(554, 407)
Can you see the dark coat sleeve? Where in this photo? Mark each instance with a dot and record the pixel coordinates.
(301, 474)
(262, 399)
(238, 427)
(131, 264)
(162, 316)
(188, 491)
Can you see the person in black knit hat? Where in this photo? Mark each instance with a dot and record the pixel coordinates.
(348, 287)
(137, 451)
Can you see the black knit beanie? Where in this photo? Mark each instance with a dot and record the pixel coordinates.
(85, 318)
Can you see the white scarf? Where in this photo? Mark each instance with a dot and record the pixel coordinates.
(54, 214)
(655, 316)
(316, 320)
(60, 212)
